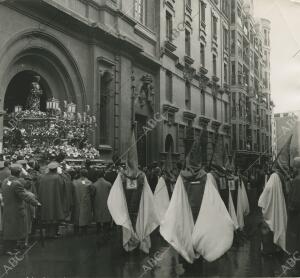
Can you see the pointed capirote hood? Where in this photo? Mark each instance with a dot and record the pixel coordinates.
(274, 211)
(193, 161)
(193, 158)
(161, 199)
(178, 224)
(214, 229)
(169, 162)
(132, 157)
(227, 162)
(147, 220)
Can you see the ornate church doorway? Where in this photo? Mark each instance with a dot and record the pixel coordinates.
(18, 91)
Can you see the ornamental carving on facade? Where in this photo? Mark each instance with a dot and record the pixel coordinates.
(146, 94)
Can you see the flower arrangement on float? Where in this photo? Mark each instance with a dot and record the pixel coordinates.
(55, 132)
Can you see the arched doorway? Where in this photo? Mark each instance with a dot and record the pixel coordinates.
(18, 90)
(45, 56)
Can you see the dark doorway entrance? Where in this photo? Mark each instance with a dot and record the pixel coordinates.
(19, 88)
(142, 140)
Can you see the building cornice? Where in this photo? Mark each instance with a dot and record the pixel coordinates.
(189, 115)
(170, 108)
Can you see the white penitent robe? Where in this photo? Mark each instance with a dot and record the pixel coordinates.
(274, 212)
(178, 224)
(161, 199)
(231, 210)
(146, 222)
(242, 205)
(214, 229)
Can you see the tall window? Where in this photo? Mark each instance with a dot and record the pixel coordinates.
(202, 102)
(225, 73)
(240, 74)
(226, 112)
(225, 39)
(214, 27)
(105, 103)
(233, 11)
(187, 95)
(215, 108)
(202, 7)
(187, 43)
(202, 54)
(234, 136)
(169, 86)
(233, 75)
(232, 42)
(169, 26)
(214, 65)
(139, 10)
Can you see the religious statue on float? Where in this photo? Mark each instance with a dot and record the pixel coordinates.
(34, 99)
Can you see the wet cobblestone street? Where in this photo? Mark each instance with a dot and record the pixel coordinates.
(80, 256)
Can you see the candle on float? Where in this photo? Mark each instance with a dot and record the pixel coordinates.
(84, 116)
(87, 108)
(79, 117)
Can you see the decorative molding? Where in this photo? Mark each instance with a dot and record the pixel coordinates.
(189, 115)
(170, 4)
(214, 85)
(203, 71)
(203, 121)
(215, 79)
(170, 108)
(106, 61)
(146, 94)
(226, 128)
(188, 60)
(215, 125)
(145, 33)
(189, 73)
(179, 65)
(170, 46)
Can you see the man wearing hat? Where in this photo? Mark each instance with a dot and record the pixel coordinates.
(102, 216)
(4, 171)
(14, 197)
(51, 192)
(293, 226)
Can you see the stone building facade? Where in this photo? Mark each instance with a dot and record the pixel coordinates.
(171, 67)
(195, 77)
(251, 105)
(98, 54)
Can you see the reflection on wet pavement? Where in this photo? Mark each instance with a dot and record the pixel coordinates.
(82, 257)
